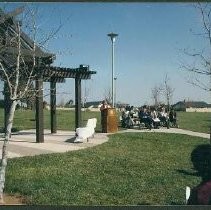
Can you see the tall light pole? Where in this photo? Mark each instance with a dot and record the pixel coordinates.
(113, 38)
(115, 93)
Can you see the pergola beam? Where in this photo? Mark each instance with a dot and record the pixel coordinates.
(60, 72)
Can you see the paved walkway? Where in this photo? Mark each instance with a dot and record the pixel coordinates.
(24, 143)
(171, 130)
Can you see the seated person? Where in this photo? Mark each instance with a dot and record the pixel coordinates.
(145, 117)
(163, 116)
(132, 111)
(125, 115)
(201, 159)
(154, 115)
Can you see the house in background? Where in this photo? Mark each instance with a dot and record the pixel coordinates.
(97, 104)
(121, 105)
(92, 104)
(192, 106)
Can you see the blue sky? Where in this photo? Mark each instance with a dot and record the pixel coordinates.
(151, 36)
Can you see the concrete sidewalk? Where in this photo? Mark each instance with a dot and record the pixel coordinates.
(24, 143)
(171, 130)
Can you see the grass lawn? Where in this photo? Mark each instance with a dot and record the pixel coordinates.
(199, 122)
(129, 169)
(195, 121)
(25, 119)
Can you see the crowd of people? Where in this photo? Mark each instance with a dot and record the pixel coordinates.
(149, 116)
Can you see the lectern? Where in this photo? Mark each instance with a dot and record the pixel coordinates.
(109, 120)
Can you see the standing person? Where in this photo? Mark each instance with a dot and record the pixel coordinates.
(201, 159)
(103, 107)
(173, 117)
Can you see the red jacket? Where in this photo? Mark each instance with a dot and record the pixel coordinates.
(201, 194)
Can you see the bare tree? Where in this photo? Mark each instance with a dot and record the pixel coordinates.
(20, 75)
(107, 95)
(62, 102)
(156, 92)
(85, 95)
(201, 59)
(167, 91)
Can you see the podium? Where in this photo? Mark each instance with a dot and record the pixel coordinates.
(109, 120)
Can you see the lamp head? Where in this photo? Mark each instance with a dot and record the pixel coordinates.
(112, 36)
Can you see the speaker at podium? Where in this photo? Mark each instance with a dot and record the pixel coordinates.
(109, 120)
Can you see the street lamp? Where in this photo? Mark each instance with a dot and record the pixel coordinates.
(113, 38)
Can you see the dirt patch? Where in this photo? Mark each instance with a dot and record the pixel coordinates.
(13, 200)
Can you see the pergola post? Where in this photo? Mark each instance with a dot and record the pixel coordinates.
(53, 106)
(39, 111)
(77, 102)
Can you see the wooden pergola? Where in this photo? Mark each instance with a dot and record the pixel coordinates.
(44, 72)
(54, 75)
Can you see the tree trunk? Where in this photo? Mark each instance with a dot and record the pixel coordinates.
(4, 149)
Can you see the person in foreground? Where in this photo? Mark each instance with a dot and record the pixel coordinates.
(201, 159)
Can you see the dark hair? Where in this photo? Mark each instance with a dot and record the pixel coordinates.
(201, 159)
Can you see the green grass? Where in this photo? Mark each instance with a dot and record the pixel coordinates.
(195, 121)
(25, 119)
(129, 169)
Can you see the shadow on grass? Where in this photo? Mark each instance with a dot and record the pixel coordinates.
(143, 204)
(172, 203)
(14, 129)
(188, 173)
(176, 203)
